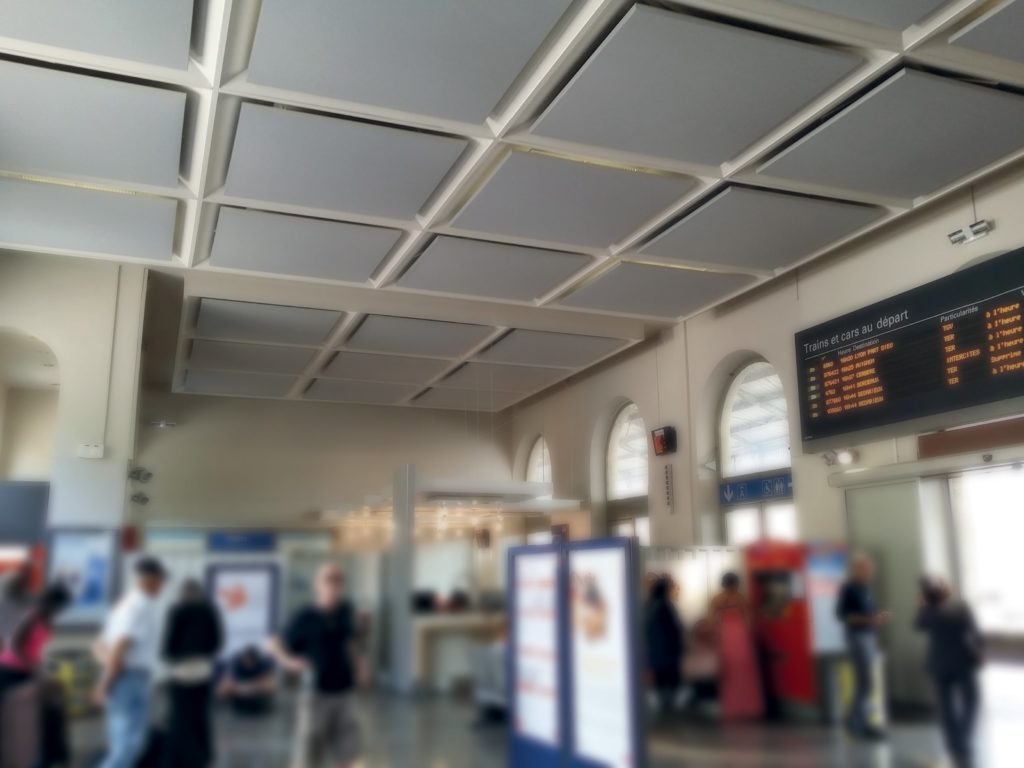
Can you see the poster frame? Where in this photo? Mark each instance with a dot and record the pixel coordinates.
(272, 569)
(71, 619)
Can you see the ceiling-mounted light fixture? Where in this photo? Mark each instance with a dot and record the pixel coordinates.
(971, 232)
(140, 475)
(843, 457)
(163, 424)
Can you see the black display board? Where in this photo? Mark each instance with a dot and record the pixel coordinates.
(953, 344)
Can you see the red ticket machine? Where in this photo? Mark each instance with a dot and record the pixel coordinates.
(777, 575)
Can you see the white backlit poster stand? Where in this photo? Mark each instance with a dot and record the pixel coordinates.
(573, 656)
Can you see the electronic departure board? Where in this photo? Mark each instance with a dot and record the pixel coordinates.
(946, 346)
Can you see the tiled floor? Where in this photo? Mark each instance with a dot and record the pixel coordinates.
(438, 732)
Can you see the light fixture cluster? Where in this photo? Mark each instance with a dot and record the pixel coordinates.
(971, 232)
(843, 457)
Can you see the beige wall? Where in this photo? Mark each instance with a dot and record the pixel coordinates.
(681, 378)
(29, 427)
(233, 460)
(89, 313)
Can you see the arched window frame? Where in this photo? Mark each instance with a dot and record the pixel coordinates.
(629, 425)
(539, 458)
(776, 454)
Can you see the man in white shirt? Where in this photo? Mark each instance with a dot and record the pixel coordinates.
(128, 651)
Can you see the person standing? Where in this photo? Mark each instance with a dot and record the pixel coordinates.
(858, 611)
(955, 654)
(15, 601)
(665, 643)
(740, 689)
(127, 652)
(192, 641)
(21, 661)
(322, 639)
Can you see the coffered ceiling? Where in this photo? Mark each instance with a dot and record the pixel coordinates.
(456, 204)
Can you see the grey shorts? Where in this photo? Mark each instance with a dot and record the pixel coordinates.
(327, 731)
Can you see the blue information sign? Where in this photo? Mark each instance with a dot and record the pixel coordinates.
(242, 541)
(752, 491)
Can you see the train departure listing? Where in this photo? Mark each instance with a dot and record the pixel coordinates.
(948, 345)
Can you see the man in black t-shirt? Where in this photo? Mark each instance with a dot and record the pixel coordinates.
(321, 639)
(858, 611)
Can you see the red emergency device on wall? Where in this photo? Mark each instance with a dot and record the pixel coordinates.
(777, 575)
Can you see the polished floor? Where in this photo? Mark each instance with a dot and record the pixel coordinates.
(439, 732)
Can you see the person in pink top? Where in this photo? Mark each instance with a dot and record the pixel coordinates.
(740, 691)
(23, 657)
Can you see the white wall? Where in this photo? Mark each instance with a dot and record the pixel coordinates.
(90, 315)
(680, 379)
(239, 461)
(28, 426)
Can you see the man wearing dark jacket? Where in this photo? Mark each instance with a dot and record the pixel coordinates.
(665, 643)
(955, 649)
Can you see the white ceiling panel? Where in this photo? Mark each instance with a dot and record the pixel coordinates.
(640, 289)
(485, 377)
(478, 268)
(758, 229)
(333, 164)
(260, 358)
(411, 336)
(338, 391)
(466, 400)
(401, 54)
(547, 198)
(237, 384)
(293, 245)
(245, 321)
(910, 136)
(86, 127)
(563, 350)
(998, 33)
(149, 31)
(678, 87)
(895, 14)
(384, 368)
(38, 215)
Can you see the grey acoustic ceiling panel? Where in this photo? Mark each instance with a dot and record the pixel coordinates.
(150, 31)
(547, 198)
(245, 321)
(447, 58)
(678, 87)
(131, 226)
(1000, 32)
(544, 348)
(385, 368)
(88, 127)
(260, 358)
(895, 14)
(640, 289)
(411, 336)
(237, 384)
(755, 228)
(372, 392)
(910, 136)
(466, 400)
(329, 163)
(486, 377)
(495, 270)
(295, 245)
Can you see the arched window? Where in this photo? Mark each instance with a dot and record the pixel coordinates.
(755, 439)
(538, 465)
(755, 426)
(627, 455)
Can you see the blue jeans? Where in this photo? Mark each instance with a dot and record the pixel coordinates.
(127, 719)
(863, 649)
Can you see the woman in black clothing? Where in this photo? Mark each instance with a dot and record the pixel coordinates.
(665, 643)
(955, 652)
(191, 645)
